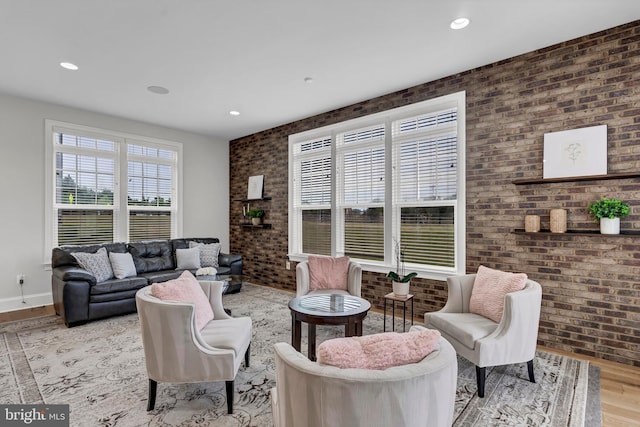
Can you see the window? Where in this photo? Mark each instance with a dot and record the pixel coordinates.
(357, 186)
(106, 186)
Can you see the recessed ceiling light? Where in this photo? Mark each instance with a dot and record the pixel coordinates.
(69, 66)
(234, 113)
(460, 23)
(158, 90)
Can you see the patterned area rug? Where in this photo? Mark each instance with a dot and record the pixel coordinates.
(98, 369)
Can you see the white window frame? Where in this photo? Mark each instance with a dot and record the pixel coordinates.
(121, 208)
(391, 217)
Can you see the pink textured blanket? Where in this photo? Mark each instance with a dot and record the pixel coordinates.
(378, 351)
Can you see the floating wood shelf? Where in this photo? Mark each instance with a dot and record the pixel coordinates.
(244, 225)
(623, 233)
(576, 178)
(254, 200)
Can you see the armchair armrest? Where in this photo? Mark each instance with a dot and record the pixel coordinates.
(354, 279)
(515, 338)
(460, 288)
(302, 278)
(213, 291)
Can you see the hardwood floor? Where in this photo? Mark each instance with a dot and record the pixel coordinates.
(619, 384)
(27, 313)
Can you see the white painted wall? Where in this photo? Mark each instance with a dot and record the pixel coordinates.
(22, 180)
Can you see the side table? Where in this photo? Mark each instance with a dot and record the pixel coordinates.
(395, 298)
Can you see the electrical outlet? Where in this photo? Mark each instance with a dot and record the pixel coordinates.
(287, 265)
(20, 279)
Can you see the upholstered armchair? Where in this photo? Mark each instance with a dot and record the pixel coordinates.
(176, 351)
(353, 284)
(483, 341)
(413, 395)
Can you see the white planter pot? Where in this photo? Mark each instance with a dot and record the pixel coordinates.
(256, 221)
(401, 289)
(609, 226)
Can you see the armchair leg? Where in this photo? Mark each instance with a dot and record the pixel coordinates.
(229, 387)
(153, 388)
(530, 369)
(480, 376)
(246, 356)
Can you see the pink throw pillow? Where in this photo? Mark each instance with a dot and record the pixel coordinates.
(489, 290)
(378, 351)
(328, 272)
(185, 289)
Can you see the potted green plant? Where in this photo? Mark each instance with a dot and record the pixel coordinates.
(256, 215)
(400, 280)
(609, 211)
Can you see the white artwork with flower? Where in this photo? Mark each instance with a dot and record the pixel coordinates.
(577, 152)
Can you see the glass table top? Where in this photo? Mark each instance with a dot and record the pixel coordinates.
(329, 304)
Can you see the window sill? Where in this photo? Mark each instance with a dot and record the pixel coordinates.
(439, 275)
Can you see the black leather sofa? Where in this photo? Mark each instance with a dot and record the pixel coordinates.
(79, 298)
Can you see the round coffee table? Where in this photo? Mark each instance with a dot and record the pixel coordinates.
(326, 309)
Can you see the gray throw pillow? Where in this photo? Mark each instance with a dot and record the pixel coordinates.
(97, 264)
(122, 265)
(208, 253)
(188, 259)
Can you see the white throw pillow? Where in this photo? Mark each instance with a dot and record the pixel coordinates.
(188, 259)
(97, 264)
(122, 265)
(208, 253)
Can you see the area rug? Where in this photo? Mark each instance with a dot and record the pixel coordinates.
(98, 369)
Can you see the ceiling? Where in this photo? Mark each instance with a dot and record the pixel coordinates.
(253, 55)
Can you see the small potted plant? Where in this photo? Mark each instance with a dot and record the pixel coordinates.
(609, 211)
(400, 280)
(256, 215)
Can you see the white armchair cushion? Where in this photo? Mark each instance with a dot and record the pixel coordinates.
(489, 289)
(233, 334)
(468, 328)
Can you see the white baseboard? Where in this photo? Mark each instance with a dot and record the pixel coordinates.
(30, 301)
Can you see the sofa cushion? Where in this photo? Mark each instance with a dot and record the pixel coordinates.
(186, 289)
(160, 276)
(113, 296)
(328, 272)
(489, 289)
(119, 285)
(466, 328)
(122, 265)
(62, 256)
(152, 256)
(208, 253)
(97, 264)
(188, 259)
(378, 351)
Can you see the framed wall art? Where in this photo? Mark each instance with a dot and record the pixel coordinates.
(577, 152)
(254, 190)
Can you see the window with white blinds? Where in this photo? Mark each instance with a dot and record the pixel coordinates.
(361, 191)
(357, 186)
(426, 186)
(150, 191)
(312, 194)
(107, 186)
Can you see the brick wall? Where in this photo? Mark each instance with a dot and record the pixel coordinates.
(591, 284)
